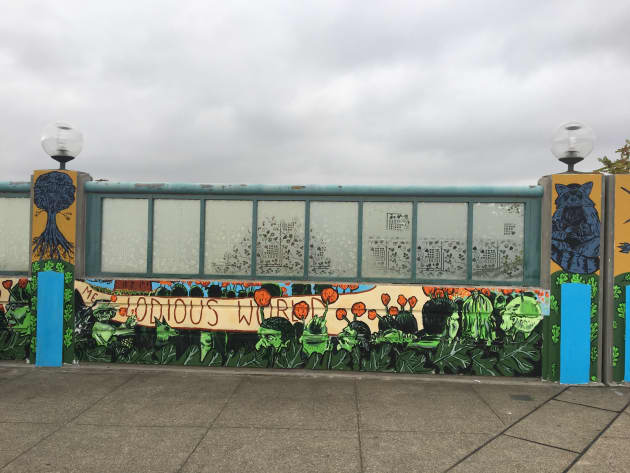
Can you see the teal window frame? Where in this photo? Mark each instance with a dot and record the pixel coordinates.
(530, 197)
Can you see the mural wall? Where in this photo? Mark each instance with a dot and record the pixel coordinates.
(621, 261)
(575, 258)
(401, 328)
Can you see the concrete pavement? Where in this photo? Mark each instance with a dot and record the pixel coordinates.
(122, 418)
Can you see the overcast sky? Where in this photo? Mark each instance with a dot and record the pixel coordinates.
(323, 92)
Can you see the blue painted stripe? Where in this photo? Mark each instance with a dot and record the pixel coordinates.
(627, 350)
(575, 333)
(49, 318)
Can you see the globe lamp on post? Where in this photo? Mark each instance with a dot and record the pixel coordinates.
(572, 142)
(62, 142)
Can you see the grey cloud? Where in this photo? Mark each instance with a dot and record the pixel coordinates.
(329, 92)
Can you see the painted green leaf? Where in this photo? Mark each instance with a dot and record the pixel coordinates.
(483, 366)
(621, 310)
(247, 358)
(99, 354)
(166, 354)
(412, 361)
(314, 362)
(555, 333)
(212, 358)
(191, 357)
(380, 358)
(137, 356)
(337, 360)
(518, 358)
(452, 355)
(616, 291)
(12, 345)
(290, 357)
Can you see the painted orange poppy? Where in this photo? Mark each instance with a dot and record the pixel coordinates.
(358, 309)
(300, 310)
(123, 311)
(385, 298)
(402, 300)
(372, 314)
(7, 283)
(341, 314)
(393, 311)
(413, 300)
(262, 297)
(329, 295)
(22, 282)
(114, 298)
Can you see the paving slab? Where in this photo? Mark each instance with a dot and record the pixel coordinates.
(512, 402)
(620, 428)
(304, 403)
(7, 374)
(245, 450)
(609, 455)
(563, 425)
(422, 407)
(163, 399)
(406, 452)
(612, 398)
(509, 455)
(54, 395)
(87, 449)
(15, 438)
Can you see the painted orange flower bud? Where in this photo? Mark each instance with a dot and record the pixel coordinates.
(300, 310)
(372, 314)
(385, 298)
(262, 297)
(402, 301)
(329, 295)
(393, 311)
(358, 309)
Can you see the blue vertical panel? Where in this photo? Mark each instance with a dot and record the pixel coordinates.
(626, 376)
(575, 333)
(49, 318)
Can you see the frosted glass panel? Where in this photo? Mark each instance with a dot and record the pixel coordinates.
(228, 237)
(15, 233)
(124, 252)
(280, 238)
(498, 241)
(176, 236)
(386, 239)
(333, 239)
(441, 245)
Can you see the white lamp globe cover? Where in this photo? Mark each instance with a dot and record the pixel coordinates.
(62, 139)
(573, 140)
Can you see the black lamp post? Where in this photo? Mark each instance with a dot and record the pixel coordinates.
(62, 142)
(572, 142)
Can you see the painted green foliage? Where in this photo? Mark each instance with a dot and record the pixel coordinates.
(18, 318)
(18, 322)
(619, 326)
(500, 336)
(551, 325)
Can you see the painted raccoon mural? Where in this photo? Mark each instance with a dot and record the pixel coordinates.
(410, 329)
(575, 229)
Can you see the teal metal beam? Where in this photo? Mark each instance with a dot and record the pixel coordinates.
(21, 187)
(327, 190)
